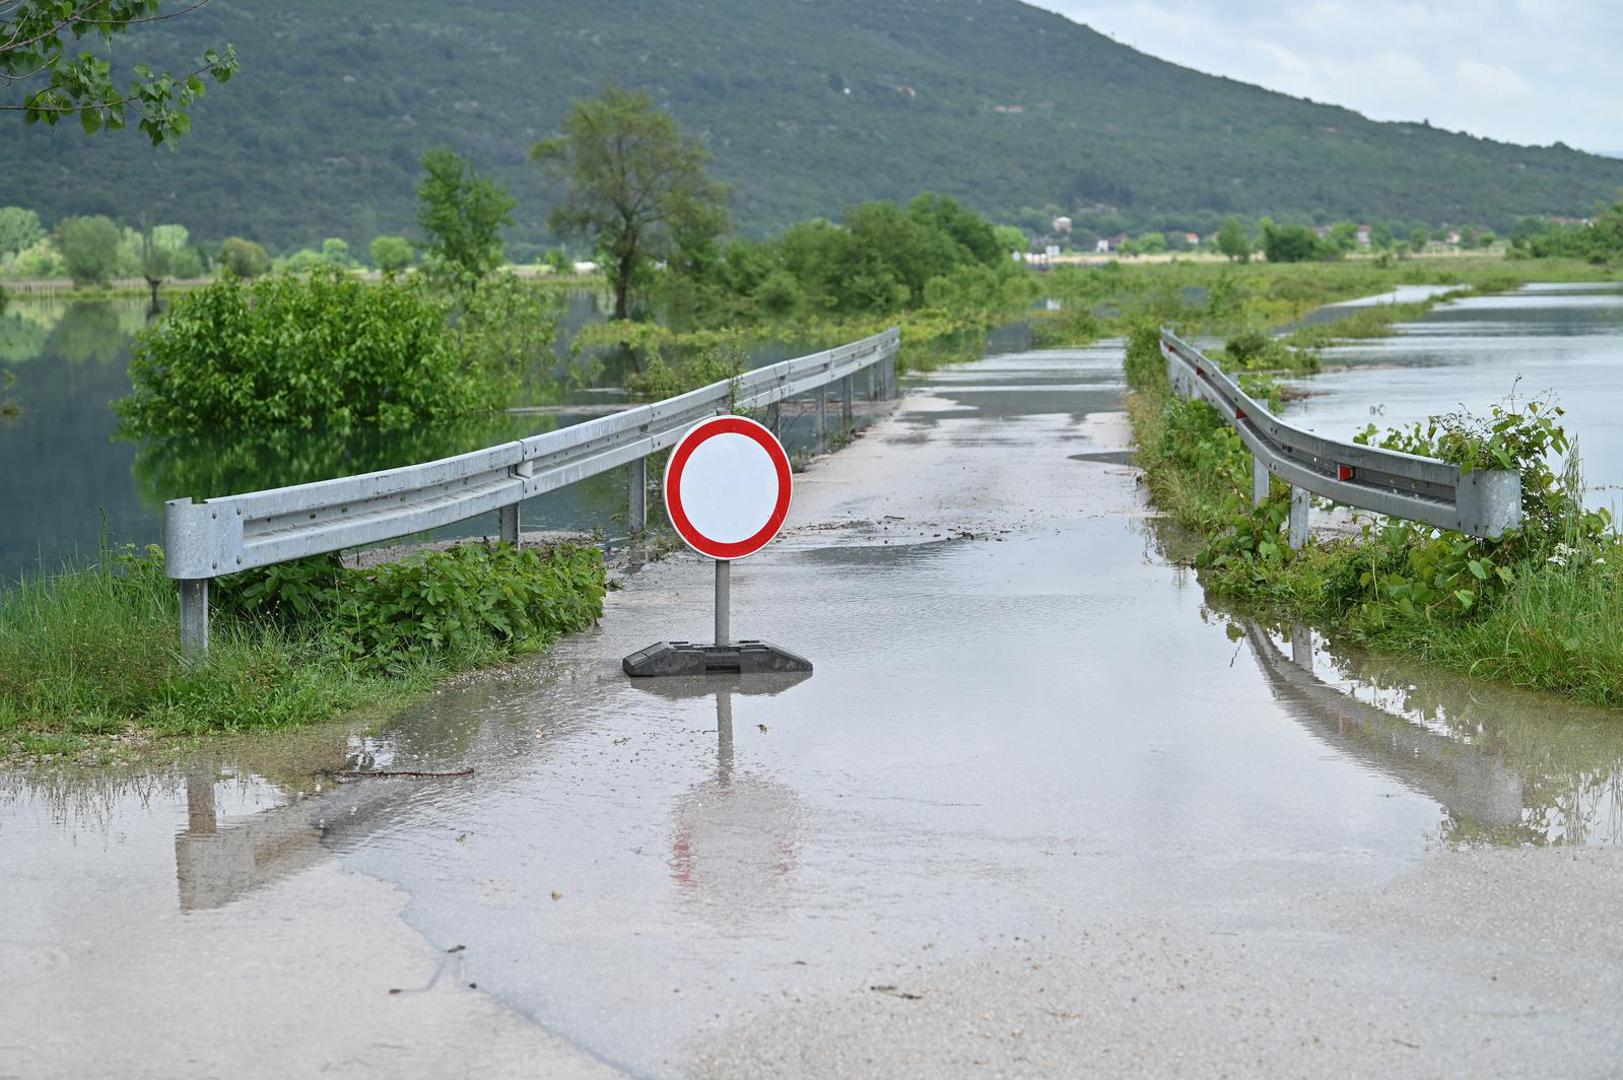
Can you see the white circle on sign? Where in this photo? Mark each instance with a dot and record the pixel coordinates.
(728, 500)
(729, 487)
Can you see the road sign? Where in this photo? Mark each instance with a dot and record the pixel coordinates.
(727, 487)
(727, 490)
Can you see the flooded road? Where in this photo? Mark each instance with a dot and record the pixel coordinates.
(1039, 811)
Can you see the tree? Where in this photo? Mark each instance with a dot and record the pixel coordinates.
(19, 229)
(1233, 242)
(35, 60)
(336, 252)
(391, 254)
(89, 248)
(560, 262)
(244, 258)
(166, 254)
(1012, 238)
(637, 187)
(1343, 237)
(1419, 236)
(1289, 243)
(463, 214)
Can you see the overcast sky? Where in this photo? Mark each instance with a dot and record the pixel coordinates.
(1526, 71)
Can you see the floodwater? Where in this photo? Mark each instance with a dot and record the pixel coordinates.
(1560, 344)
(67, 481)
(1040, 810)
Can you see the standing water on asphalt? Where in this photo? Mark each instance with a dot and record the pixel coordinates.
(1038, 798)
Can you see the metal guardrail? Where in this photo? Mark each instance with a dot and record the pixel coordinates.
(207, 539)
(1483, 502)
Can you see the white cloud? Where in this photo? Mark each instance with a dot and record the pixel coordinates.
(1490, 80)
(1530, 71)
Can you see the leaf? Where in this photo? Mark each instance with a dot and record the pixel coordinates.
(1466, 598)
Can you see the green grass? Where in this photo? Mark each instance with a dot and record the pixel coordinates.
(93, 655)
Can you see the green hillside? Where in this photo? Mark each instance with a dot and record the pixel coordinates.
(807, 105)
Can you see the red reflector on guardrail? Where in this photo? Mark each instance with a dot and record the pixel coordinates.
(1344, 472)
(1239, 414)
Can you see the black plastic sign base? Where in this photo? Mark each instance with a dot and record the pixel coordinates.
(689, 658)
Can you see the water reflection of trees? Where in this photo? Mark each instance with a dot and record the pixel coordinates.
(95, 332)
(21, 338)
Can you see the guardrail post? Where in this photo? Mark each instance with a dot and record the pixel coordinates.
(1301, 504)
(1259, 481)
(1489, 502)
(774, 417)
(510, 523)
(845, 401)
(637, 494)
(194, 617)
(820, 429)
(890, 375)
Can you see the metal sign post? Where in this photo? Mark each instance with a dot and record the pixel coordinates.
(724, 600)
(727, 489)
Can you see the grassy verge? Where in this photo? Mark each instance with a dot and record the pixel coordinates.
(1541, 608)
(1235, 300)
(93, 655)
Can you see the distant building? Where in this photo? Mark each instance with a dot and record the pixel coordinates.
(1192, 239)
(1364, 235)
(1454, 237)
(1062, 226)
(1103, 246)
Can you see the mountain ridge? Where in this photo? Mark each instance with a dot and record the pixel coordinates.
(806, 107)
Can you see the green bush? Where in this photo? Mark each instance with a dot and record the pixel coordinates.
(458, 604)
(244, 258)
(328, 353)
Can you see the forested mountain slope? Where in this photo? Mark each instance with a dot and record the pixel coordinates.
(807, 105)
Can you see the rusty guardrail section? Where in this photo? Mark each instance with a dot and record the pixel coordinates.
(1484, 502)
(209, 538)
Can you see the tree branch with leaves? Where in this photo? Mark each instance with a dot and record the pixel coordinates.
(43, 79)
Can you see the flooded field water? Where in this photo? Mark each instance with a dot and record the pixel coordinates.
(1560, 344)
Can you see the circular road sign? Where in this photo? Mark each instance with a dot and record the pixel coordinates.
(727, 487)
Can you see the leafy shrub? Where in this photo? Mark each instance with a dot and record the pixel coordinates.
(327, 352)
(244, 258)
(505, 329)
(469, 600)
(460, 604)
(1255, 350)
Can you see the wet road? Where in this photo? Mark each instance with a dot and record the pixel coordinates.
(1039, 811)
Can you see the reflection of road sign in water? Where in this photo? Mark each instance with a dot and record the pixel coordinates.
(727, 487)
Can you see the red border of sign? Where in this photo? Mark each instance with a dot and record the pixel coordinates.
(708, 429)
